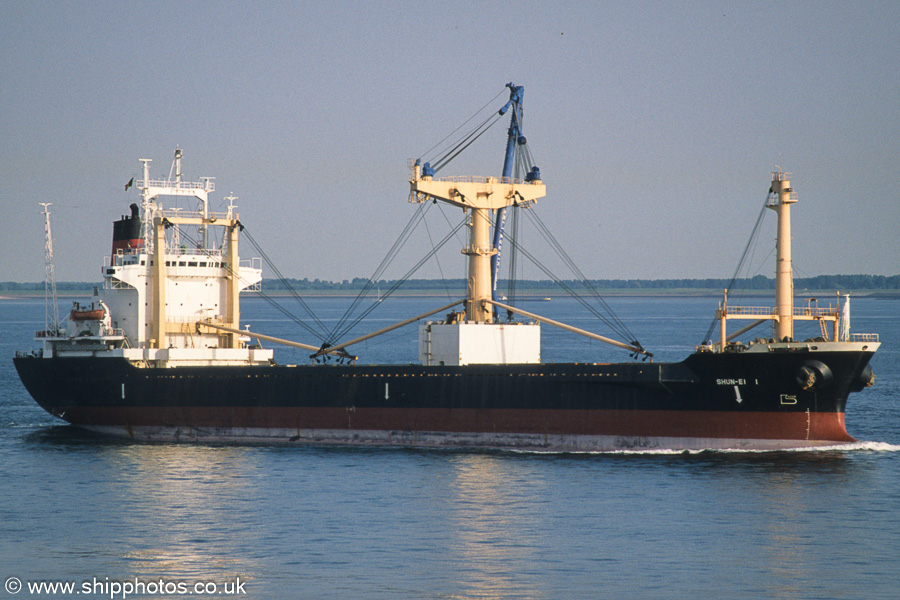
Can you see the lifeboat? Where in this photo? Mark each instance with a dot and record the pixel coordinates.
(80, 313)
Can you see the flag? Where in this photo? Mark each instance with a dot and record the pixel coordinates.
(129, 184)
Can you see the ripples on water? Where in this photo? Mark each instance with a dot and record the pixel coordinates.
(387, 523)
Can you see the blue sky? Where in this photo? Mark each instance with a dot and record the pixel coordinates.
(656, 125)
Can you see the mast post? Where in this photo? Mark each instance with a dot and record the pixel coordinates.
(51, 301)
(233, 288)
(158, 269)
(480, 251)
(784, 278)
(723, 320)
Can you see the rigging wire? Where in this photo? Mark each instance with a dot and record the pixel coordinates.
(523, 161)
(568, 289)
(467, 141)
(611, 319)
(443, 214)
(522, 164)
(750, 243)
(437, 260)
(289, 287)
(399, 282)
(234, 272)
(401, 240)
(442, 160)
(491, 101)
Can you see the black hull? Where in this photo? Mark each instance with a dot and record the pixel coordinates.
(743, 400)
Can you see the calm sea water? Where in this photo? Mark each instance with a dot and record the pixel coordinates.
(386, 524)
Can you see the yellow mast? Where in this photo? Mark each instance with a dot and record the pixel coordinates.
(480, 197)
(479, 252)
(784, 281)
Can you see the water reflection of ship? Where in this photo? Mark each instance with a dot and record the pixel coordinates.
(188, 500)
(495, 532)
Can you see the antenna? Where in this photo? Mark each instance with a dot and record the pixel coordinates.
(231, 206)
(177, 166)
(146, 213)
(51, 302)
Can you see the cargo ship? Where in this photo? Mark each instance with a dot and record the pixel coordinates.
(160, 354)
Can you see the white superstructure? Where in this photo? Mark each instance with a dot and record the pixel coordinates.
(183, 270)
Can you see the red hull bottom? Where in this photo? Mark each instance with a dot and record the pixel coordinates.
(547, 430)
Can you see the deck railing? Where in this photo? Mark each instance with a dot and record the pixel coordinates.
(171, 213)
(479, 179)
(863, 337)
(758, 311)
(798, 311)
(209, 186)
(810, 311)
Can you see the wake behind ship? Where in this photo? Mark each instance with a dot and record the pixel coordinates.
(160, 354)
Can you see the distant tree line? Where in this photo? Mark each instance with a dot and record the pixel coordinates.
(760, 282)
(61, 286)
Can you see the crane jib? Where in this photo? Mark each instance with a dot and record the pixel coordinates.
(516, 95)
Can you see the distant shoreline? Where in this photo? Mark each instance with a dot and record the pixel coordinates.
(530, 296)
(820, 285)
